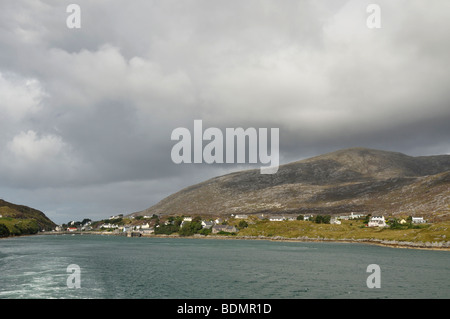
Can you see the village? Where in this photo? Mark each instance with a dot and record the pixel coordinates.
(137, 226)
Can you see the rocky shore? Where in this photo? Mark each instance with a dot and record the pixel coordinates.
(388, 243)
(442, 245)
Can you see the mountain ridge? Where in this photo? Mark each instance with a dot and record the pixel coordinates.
(354, 179)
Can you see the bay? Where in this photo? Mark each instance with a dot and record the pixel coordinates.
(116, 267)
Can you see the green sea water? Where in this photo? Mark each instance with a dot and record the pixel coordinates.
(157, 268)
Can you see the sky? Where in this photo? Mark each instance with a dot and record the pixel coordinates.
(86, 114)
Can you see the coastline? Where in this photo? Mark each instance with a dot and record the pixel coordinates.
(439, 246)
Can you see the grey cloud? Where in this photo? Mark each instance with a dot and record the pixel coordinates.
(106, 97)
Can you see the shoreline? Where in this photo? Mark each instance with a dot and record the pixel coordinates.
(438, 246)
(383, 243)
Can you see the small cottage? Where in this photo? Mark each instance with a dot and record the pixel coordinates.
(335, 221)
(418, 220)
(207, 224)
(276, 218)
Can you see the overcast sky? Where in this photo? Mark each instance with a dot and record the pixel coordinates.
(86, 114)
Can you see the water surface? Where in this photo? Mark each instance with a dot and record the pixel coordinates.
(121, 267)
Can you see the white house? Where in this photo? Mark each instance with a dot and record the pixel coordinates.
(276, 218)
(185, 220)
(207, 224)
(377, 221)
(335, 221)
(240, 216)
(355, 216)
(418, 220)
(109, 226)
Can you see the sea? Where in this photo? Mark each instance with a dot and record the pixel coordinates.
(118, 267)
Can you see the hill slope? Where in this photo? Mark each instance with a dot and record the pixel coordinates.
(21, 219)
(357, 179)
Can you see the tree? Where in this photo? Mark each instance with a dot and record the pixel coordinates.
(167, 229)
(4, 231)
(242, 224)
(197, 219)
(326, 219)
(300, 217)
(115, 221)
(394, 224)
(178, 221)
(322, 219)
(190, 228)
(205, 231)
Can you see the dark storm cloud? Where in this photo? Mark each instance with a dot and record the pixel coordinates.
(87, 113)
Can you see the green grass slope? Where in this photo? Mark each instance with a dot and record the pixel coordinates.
(22, 220)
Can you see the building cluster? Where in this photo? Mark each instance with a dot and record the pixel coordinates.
(380, 221)
(272, 218)
(146, 229)
(217, 225)
(376, 221)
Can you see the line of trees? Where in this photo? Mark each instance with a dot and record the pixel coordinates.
(322, 219)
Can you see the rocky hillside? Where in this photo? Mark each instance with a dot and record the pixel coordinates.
(351, 180)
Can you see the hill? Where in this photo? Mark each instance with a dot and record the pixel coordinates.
(22, 220)
(351, 180)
